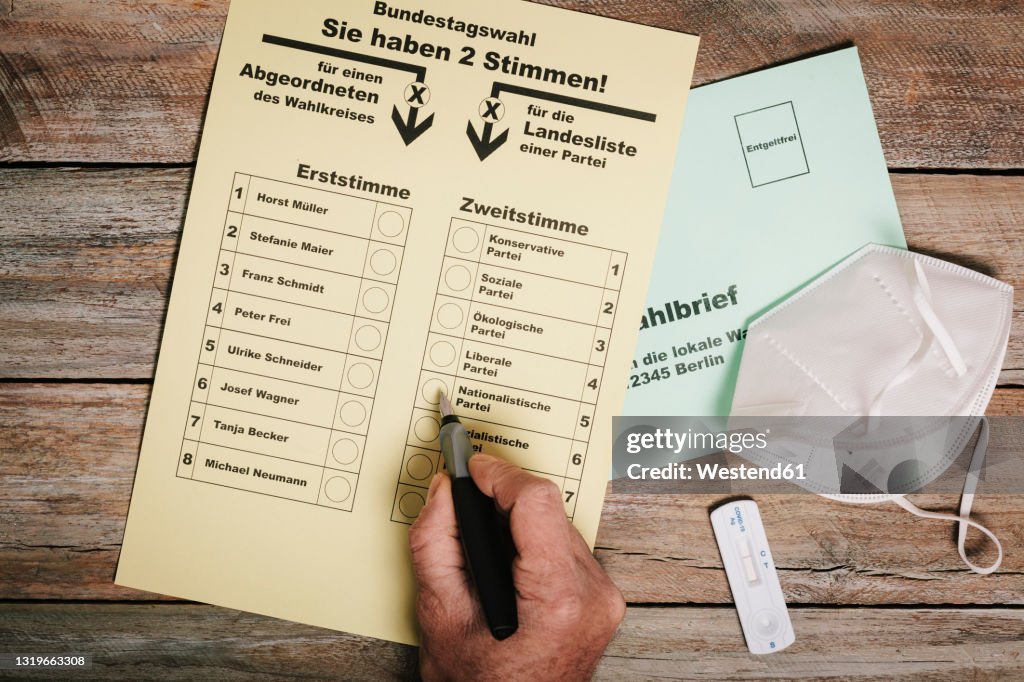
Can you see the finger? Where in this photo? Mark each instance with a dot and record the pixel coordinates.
(534, 506)
(437, 556)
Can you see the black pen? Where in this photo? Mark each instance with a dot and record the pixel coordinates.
(480, 530)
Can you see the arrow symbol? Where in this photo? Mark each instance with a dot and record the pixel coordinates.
(485, 147)
(408, 128)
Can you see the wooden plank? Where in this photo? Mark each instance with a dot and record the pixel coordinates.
(186, 642)
(86, 269)
(68, 454)
(127, 81)
(891, 644)
(66, 480)
(95, 81)
(87, 260)
(192, 642)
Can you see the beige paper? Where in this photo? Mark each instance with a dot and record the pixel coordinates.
(389, 202)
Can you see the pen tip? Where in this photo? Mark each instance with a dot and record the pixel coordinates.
(446, 407)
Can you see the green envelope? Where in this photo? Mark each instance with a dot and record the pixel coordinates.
(779, 176)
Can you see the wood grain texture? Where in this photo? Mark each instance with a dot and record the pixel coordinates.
(85, 256)
(68, 459)
(188, 642)
(193, 642)
(85, 265)
(105, 81)
(86, 259)
(83, 80)
(845, 644)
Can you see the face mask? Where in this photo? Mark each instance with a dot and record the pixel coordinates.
(886, 333)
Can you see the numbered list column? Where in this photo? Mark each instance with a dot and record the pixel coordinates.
(517, 341)
(296, 325)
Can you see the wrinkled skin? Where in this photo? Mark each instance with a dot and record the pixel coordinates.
(568, 607)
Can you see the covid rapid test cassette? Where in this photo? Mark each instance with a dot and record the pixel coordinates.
(752, 577)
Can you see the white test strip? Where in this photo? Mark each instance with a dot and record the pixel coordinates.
(752, 577)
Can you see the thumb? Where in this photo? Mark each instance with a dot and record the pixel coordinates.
(536, 515)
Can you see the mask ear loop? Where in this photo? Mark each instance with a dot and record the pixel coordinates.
(966, 502)
(922, 293)
(923, 301)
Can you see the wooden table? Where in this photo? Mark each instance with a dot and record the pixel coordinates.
(100, 111)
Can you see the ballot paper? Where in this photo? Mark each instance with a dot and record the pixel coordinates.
(394, 200)
(780, 175)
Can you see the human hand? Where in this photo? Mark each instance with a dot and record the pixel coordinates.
(568, 607)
